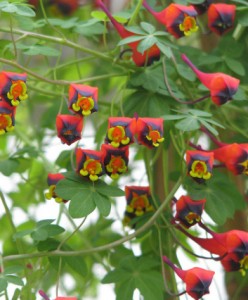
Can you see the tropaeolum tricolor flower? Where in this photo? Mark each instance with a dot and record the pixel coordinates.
(230, 246)
(89, 163)
(188, 211)
(13, 87)
(179, 20)
(139, 202)
(221, 17)
(202, 7)
(115, 160)
(147, 58)
(150, 131)
(197, 280)
(7, 117)
(199, 164)
(69, 128)
(234, 157)
(121, 131)
(52, 180)
(83, 99)
(222, 87)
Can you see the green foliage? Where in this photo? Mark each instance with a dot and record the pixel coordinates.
(44, 239)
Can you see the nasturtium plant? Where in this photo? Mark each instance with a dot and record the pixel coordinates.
(123, 149)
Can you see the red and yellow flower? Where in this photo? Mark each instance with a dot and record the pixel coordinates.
(115, 160)
(199, 164)
(188, 211)
(221, 17)
(7, 118)
(150, 131)
(222, 87)
(13, 87)
(148, 57)
(89, 163)
(139, 201)
(197, 280)
(52, 180)
(234, 157)
(69, 128)
(83, 99)
(179, 20)
(121, 131)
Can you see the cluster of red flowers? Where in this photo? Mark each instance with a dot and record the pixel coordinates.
(113, 157)
(13, 90)
(45, 297)
(231, 246)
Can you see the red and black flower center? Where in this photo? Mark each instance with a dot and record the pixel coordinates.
(154, 136)
(5, 123)
(17, 92)
(199, 169)
(192, 217)
(117, 136)
(188, 25)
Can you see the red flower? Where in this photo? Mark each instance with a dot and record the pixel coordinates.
(69, 128)
(83, 99)
(139, 202)
(188, 212)
(200, 164)
(7, 117)
(115, 160)
(222, 87)
(231, 246)
(197, 280)
(13, 87)
(150, 131)
(179, 20)
(63, 7)
(120, 131)
(147, 58)
(221, 17)
(234, 157)
(203, 7)
(89, 163)
(52, 180)
(45, 297)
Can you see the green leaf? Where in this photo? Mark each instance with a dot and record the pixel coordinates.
(24, 10)
(3, 284)
(53, 230)
(39, 235)
(103, 204)
(77, 264)
(8, 167)
(108, 190)
(44, 222)
(199, 113)
(165, 49)
(14, 280)
(16, 295)
(209, 127)
(146, 44)
(82, 204)
(188, 124)
(150, 29)
(150, 285)
(221, 202)
(115, 276)
(125, 290)
(243, 18)
(13, 269)
(67, 188)
(235, 66)
(130, 39)
(185, 72)
(41, 50)
(21, 234)
(99, 15)
(9, 8)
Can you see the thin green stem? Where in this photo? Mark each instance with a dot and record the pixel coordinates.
(109, 246)
(74, 232)
(135, 13)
